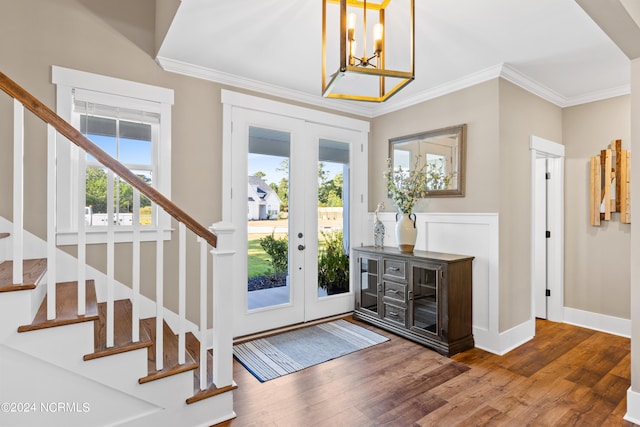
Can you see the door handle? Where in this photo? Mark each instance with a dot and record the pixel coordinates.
(301, 247)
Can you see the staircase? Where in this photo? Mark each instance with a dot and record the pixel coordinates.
(79, 348)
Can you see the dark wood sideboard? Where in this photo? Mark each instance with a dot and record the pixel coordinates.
(423, 296)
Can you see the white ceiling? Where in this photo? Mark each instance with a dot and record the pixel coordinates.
(550, 47)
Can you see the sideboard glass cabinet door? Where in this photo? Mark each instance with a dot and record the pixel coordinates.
(423, 298)
(368, 276)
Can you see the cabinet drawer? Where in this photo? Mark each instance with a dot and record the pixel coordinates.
(395, 314)
(395, 291)
(395, 269)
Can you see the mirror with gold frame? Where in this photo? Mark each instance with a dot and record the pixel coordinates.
(445, 148)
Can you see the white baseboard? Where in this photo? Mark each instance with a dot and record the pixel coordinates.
(633, 407)
(506, 341)
(598, 322)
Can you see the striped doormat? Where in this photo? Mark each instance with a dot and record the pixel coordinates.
(282, 354)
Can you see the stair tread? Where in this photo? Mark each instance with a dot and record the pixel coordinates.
(170, 347)
(121, 331)
(4, 235)
(193, 348)
(66, 307)
(33, 270)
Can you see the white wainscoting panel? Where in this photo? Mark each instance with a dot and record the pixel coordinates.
(474, 234)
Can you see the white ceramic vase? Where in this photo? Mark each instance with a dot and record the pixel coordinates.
(406, 231)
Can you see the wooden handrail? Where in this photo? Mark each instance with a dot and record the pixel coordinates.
(72, 134)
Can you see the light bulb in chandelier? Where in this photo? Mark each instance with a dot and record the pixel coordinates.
(377, 39)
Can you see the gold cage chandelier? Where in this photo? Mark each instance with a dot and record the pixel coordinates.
(360, 75)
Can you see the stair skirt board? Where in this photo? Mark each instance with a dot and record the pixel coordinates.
(84, 402)
(15, 309)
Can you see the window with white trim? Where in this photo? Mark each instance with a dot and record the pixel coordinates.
(132, 123)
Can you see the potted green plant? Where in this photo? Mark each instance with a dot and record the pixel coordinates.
(405, 188)
(333, 264)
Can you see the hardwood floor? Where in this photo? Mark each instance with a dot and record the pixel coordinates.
(565, 376)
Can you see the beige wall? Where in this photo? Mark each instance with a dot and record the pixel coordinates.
(597, 259)
(521, 116)
(477, 106)
(635, 235)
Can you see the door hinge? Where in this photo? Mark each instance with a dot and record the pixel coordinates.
(362, 148)
(548, 234)
(548, 292)
(547, 175)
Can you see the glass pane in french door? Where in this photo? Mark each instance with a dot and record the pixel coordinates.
(267, 215)
(333, 217)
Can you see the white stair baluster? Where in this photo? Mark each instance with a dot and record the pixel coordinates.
(110, 260)
(182, 290)
(135, 298)
(51, 220)
(18, 192)
(82, 232)
(203, 313)
(159, 293)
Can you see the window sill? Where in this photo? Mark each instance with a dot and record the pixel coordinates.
(121, 235)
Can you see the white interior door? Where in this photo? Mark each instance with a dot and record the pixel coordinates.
(540, 240)
(547, 214)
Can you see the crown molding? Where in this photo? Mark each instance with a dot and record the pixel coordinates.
(516, 77)
(204, 73)
(444, 89)
(598, 95)
(370, 110)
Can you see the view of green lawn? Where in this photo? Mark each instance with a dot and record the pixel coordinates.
(258, 261)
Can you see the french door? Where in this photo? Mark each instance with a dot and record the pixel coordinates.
(291, 198)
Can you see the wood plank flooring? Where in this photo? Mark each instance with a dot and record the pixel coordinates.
(565, 376)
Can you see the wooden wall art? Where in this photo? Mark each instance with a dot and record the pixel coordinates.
(611, 184)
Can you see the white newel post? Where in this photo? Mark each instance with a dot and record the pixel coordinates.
(223, 304)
